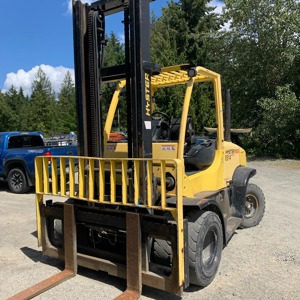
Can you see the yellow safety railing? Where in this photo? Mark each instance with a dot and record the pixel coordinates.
(111, 182)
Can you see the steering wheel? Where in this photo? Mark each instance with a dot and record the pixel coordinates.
(162, 116)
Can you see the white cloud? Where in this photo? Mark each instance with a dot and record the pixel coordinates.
(25, 79)
(69, 11)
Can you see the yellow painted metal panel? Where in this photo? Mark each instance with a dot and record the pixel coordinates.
(149, 182)
(173, 75)
(81, 166)
(91, 179)
(210, 179)
(219, 111)
(39, 196)
(112, 110)
(136, 181)
(161, 167)
(38, 174)
(180, 231)
(38, 201)
(101, 180)
(46, 174)
(184, 116)
(124, 181)
(54, 176)
(163, 184)
(63, 180)
(113, 181)
(72, 178)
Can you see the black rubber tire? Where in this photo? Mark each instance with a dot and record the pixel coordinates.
(254, 206)
(205, 246)
(17, 181)
(162, 252)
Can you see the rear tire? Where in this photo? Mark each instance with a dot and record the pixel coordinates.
(17, 181)
(254, 206)
(205, 246)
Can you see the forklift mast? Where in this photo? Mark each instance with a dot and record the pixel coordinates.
(89, 47)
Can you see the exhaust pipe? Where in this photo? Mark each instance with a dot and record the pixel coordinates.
(227, 133)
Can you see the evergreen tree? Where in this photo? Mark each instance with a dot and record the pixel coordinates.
(114, 55)
(5, 114)
(114, 52)
(67, 105)
(43, 107)
(181, 35)
(17, 103)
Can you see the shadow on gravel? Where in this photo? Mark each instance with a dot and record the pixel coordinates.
(99, 276)
(4, 188)
(37, 256)
(34, 233)
(193, 288)
(102, 277)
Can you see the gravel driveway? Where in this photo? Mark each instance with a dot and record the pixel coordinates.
(259, 263)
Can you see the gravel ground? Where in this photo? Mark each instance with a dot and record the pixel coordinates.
(259, 263)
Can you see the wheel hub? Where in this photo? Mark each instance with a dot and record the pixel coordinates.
(209, 248)
(17, 181)
(251, 206)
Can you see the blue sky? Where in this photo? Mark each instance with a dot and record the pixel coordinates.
(39, 33)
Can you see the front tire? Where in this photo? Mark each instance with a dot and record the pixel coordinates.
(162, 252)
(254, 206)
(17, 181)
(205, 246)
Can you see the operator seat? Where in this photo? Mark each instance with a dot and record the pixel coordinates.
(160, 130)
(189, 133)
(200, 155)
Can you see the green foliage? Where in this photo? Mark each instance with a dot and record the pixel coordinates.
(67, 106)
(43, 113)
(114, 55)
(17, 104)
(257, 53)
(13, 110)
(278, 133)
(202, 107)
(182, 35)
(114, 52)
(5, 114)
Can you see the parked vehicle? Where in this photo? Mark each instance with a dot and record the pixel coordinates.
(17, 154)
(159, 207)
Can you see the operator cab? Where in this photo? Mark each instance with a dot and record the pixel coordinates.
(198, 153)
(169, 137)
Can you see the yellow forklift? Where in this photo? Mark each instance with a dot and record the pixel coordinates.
(158, 207)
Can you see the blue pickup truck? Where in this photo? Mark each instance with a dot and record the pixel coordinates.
(17, 153)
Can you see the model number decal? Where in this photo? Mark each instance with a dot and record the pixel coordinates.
(230, 153)
(111, 148)
(168, 148)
